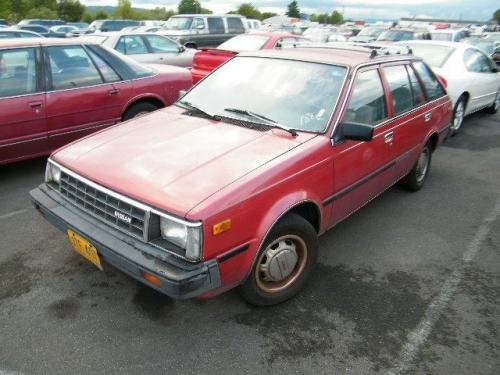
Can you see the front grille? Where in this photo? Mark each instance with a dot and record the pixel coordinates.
(103, 206)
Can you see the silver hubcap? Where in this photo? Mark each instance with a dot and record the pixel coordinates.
(459, 116)
(281, 263)
(422, 165)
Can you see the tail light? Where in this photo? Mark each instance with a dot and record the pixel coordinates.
(443, 81)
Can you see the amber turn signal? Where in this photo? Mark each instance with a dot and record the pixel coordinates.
(155, 280)
(221, 227)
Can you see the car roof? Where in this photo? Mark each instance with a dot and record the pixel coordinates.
(435, 43)
(35, 42)
(348, 56)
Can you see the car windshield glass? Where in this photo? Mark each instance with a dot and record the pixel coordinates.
(432, 54)
(242, 43)
(179, 23)
(369, 31)
(139, 69)
(446, 37)
(296, 94)
(395, 35)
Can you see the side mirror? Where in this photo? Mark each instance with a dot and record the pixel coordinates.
(200, 27)
(354, 131)
(182, 49)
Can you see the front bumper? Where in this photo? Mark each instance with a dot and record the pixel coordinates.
(179, 279)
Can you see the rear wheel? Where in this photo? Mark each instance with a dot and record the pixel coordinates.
(283, 264)
(139, 109)
(417, 176)
(458, 116)
(496, 104)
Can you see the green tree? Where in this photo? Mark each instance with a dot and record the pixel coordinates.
(249, 11)
(265, 15)
(101, 15)
(336, 18)
(124, 10)
(496, 16)
(189, 6)
(42, 12)
(205, 11)
(87, 17)
(293, 9)
(70, 10)
(4, 9)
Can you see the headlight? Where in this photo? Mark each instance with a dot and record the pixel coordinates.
(185, 236)
(52, 173)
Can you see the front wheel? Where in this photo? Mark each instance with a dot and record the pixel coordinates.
(417, 176)
(283, 264)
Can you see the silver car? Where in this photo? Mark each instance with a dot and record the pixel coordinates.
(147, 48)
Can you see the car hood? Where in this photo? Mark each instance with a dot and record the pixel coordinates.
(173, 161)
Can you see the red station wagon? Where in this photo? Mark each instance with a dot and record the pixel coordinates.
(55, 91)
(233, 185)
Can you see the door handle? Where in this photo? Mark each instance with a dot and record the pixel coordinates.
(389, 137)
(114, 92)
(35, 105)
(428, 116)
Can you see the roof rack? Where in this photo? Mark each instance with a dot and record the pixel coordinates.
(378, 51)
(336, 45)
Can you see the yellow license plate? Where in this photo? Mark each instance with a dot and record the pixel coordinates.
(85, 248)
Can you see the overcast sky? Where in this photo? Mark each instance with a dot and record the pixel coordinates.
(464, 9)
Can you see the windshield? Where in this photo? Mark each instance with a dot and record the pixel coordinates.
(297, 94)
(179, 23)
(432, 54)
(445, 37)
(395, 35)
(245, 42)
(370, 31)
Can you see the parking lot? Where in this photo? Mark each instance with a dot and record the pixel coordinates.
(409, 284)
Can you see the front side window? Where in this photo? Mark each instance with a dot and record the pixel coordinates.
(297, 94)
(198, 23)
(71, 67)
(234, 25)
(367, 104)
(397, 77)
(131, 45)
(432, 85)
(160, 44)
(215, 25)
(17, 72)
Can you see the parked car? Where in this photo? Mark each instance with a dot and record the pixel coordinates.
(42, 22)
(367, 35)
(449, 35)
(42, 30)
(3, 22)
(397, 35)
(488, 46)
(253, 25)
(65, 29)
(15, 33)
(233, 185)
(149, 48)
(111, 25)
(472, 78)
(207, 59)
(54, 91)
(203, 30)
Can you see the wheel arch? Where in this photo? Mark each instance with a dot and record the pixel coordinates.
(153, 99)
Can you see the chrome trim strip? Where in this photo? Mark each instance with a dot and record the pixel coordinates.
(80, 130)
(21, 142)
(125, 199)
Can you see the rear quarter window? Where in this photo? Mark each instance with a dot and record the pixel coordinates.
(431, 84)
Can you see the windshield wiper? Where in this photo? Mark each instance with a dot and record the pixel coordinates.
(193, 107)
(268, 122)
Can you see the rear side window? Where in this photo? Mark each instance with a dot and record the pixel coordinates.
(477, 62)
(131, 45)
(416, 88)
(234, 25)
(71, 68)
(397, 77)
(107, 72)
(215, 25)
(431, 84)
(17, 72)
(367, 105)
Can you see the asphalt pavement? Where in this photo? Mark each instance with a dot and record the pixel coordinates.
(409, 284)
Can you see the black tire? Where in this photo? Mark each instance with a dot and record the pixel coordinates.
(139, 109)
(290, 228)
(496, 104)
(456, 127)
(414, 180)
(191, 45)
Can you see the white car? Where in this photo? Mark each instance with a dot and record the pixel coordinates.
(147, 48)
(472, 78)
(449, 35)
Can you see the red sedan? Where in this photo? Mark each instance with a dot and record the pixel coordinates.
(207, 59)
(55, 91)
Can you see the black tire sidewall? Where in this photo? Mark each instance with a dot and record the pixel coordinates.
(456, 131)
(289, 224)
(138, 108)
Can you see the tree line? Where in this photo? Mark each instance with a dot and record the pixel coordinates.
(74, 11)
